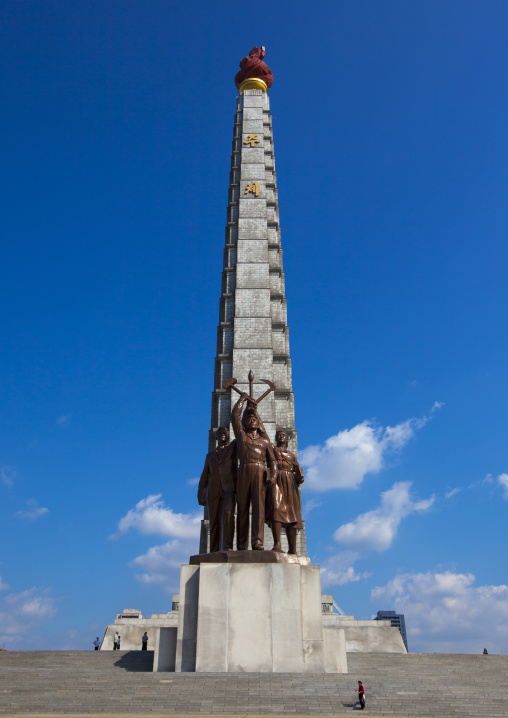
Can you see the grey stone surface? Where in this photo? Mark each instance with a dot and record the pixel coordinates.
(255, 101)
(334, 650)
(258, 618)
(212, 647)
(249, 619)
(367, 636)
(164, 658)
(287, 628)
(187, 619)
(87, 682)
(312, 621)
(250, 250)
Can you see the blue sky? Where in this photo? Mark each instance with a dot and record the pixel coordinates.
(392, 155)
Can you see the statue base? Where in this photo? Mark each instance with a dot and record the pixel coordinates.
(249, 557)
(259, 618)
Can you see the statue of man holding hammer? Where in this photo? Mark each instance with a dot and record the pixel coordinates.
(257, 469)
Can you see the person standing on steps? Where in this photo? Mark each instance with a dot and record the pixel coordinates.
(116, 641)
(97, 643)
(361, 695)
(144, 641)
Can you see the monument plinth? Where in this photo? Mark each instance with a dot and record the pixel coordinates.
(260, 618)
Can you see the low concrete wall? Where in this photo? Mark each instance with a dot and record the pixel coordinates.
(367, 636)
(132, 629)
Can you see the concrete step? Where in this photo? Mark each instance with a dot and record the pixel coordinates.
(123, 682)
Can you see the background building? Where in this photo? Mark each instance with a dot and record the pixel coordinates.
(397, 619)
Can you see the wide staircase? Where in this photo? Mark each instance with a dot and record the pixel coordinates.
(123, 682)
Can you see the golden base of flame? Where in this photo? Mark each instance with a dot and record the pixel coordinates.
(253, 83)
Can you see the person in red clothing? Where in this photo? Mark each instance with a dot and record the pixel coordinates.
(361, 694)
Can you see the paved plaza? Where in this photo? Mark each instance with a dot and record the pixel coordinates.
(114, 683)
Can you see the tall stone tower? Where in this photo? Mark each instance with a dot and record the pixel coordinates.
(253, 331)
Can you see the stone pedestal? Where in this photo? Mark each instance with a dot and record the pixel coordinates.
(261, 618)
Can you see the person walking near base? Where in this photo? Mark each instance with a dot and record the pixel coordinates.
(97, 643)
(361, 695)
(144, 641)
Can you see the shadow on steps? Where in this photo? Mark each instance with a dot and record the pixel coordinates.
(136, 661)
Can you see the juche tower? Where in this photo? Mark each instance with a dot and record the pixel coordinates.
(253, 332)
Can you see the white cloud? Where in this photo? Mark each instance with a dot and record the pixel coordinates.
(376, 530)
(192, 482)
(503, 481)
(343, 461)
(446, 613)
(160, 565)
(453, 492)
(339, 570)
(8, 475)
(151, 516)
(491, 482)
(22, 613)
(64, 419)
(34, 511)
(3, 586)
(310, 505)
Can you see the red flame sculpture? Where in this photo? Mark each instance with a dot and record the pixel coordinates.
(253, 66)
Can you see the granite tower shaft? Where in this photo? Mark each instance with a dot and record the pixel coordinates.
(253, 331)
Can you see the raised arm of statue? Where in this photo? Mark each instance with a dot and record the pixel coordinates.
(236, 416)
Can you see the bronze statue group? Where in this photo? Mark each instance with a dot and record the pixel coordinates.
(251, 474)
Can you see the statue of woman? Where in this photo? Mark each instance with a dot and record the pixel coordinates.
(283, 503)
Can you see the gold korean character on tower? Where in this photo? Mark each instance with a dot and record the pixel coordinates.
(251, 140)
(252, 187)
